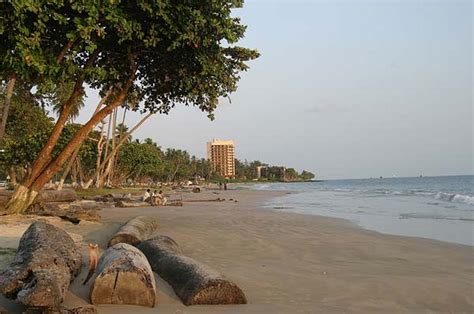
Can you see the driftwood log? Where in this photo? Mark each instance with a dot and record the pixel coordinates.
(73, 212)
(124, 276)
(47, 260)
(64, 195)
(193, 282)
(129, 203)
(135, 231)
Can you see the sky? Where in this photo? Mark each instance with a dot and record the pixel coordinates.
(344, 89)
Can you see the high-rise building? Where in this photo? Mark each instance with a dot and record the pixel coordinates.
(221, 154)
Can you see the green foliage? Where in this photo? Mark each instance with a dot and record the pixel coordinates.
(306, 175)
(140, 160)
(26, 131)
(291, 174)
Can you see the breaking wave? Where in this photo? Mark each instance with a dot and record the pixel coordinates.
(457, 198)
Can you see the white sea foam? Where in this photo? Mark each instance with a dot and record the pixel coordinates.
(458, 198)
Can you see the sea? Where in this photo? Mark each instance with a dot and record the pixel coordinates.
(440, 208)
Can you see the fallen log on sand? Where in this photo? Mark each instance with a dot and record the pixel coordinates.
(135, 231)
(124, 276)
(205, 200)
(193, 282)
(73, 212)
(124, 203)
(64, 195)
(46, 261)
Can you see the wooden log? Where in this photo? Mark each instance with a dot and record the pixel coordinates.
(73, 212)
(135, 231)
(64, 195)
(205, 200)
(124, 276)
(193, 282)
(125, 203)
(47, 260)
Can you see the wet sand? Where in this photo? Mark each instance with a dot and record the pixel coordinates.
(287, 263)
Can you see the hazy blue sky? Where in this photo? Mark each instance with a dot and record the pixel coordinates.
(346, 89)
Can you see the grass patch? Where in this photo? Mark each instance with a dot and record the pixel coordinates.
(7, 251)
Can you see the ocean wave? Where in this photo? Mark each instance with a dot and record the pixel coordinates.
(430, 216)
(463, 199)
(457, 198)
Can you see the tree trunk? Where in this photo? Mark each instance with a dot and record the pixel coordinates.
(110, 169)
(21, 200)
(193, 282)
(100, 147)
(124, 276)
(6, 104)
(68, 168)
(12, 174)
(44, 156)
(102, 173)
(47, 260)
(135, 231)
(115, 151)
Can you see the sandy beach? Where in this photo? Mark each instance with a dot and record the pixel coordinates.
(285, 263)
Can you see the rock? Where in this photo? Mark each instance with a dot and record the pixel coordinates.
(47, 260)
(135, 231)
(124, 276)
(193, 282)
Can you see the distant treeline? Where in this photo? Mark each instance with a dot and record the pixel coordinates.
(110, 157)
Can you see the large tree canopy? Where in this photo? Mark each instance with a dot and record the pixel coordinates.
(157, 53)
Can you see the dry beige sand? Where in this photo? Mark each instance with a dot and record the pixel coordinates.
(287, 263)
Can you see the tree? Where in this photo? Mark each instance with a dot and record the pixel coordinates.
(141, 161)
(306, 175)
(162, 53)
(290, 174)
(27, 130)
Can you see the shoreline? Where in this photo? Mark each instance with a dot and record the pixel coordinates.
(398, 218)
(288, 262)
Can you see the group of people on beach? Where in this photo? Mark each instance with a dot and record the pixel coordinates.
(155, 198)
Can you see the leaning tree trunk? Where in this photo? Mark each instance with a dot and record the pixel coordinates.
(68, 168)
(44, 156)
(193, 282)
(101, 172)
(25, 194)
(6, 105)
(135, 231)
(47, 260)
(124, 276)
